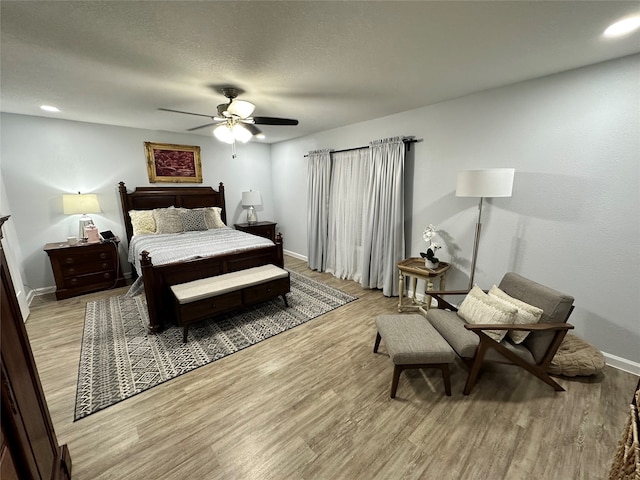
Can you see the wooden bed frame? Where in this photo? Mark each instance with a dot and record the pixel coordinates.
(157, 279)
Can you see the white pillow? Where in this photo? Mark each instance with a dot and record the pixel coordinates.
(213, 218)
(526, 313)
(168, 220)
(142, 222)
(479, 308)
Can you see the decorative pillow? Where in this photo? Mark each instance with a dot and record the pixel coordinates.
(142, 222)
(479, 308)
(168, 220)
(526, 313)
(213, 218)
(192, 220)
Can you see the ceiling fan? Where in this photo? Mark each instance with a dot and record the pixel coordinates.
(234, 121)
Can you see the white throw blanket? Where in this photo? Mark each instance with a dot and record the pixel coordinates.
(178, 247)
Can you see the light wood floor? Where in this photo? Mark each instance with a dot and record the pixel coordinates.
(313, 403)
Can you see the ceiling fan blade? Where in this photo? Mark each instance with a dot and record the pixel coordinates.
(252, 128)
(187, 113)
(201, 126)
(274, 121)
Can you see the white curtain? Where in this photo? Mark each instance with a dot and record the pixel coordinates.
(383, 242)
(349, 174)
(318, 178)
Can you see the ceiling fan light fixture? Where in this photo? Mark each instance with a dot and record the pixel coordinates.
(241, 133)
(241, 108)
(224, 133)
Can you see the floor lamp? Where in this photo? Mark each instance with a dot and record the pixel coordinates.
(492, 182)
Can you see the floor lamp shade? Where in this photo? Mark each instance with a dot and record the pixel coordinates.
(492, 182)
(251, 199)
(81, 203)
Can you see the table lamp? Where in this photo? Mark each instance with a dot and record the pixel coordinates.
(251, 199)
(81, 203)
(492, 182)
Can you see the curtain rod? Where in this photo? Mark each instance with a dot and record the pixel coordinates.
(406, 141)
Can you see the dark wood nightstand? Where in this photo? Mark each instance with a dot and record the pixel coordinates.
(262, 229)
(85, 267)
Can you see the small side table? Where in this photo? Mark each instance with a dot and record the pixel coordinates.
(261, 229)
(415, 268)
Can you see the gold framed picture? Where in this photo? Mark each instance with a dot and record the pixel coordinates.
(173, 163)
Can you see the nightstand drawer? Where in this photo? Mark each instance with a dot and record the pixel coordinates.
(82, 258)
(81, 269)
(90, 279)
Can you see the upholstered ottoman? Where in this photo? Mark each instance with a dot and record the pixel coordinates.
(413, 343)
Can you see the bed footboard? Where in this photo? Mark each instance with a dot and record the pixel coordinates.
(158, 279)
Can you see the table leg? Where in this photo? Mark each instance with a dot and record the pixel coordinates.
(414, 285)
(401, 290)
(427, 297)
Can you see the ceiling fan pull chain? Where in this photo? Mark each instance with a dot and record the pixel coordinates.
(233, 150)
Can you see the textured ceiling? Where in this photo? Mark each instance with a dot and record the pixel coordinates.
(326, 63)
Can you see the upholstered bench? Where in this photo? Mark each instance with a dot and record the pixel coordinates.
(204, 298)
(413, 343)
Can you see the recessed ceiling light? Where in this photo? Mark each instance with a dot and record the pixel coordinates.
(623, 27)
(49, 108)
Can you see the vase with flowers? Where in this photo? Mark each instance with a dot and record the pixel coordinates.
(430, 259)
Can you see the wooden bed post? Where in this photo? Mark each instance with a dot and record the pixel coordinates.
(279, 250)
(147, 275)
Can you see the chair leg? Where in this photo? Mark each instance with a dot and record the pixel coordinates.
(377, 344)
(286, 303)
(475, 367)
(185, 329)
(397, 370)
(446, 377)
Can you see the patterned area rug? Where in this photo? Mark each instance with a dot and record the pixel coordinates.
(120, 359)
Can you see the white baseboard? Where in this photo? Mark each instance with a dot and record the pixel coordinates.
(622, 363)
(295, 255)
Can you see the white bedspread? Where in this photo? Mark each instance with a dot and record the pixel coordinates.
(178, 247)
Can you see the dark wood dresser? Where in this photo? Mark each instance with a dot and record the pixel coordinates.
(84, 267)
(29, 447)
(262, 229)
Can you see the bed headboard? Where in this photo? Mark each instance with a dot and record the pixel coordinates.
(148, 198)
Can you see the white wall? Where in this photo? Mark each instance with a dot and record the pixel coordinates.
(43, 158)
(573, 221)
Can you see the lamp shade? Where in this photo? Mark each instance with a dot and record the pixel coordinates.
(80, 203)
(251, 198)
(491, 182)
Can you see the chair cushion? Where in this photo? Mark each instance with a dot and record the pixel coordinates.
(451, 327)
(526, 314)
(555, 306)
(410, 340)
(478, 308)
